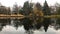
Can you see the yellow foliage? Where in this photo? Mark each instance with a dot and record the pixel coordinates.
(37, 12)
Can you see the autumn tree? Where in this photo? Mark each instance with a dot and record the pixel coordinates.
(37, 15)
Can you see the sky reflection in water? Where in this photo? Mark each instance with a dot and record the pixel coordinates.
(11, 30)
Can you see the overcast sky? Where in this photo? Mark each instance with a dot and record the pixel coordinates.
(21, 2)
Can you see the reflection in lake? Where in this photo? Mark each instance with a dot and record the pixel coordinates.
(28, 26)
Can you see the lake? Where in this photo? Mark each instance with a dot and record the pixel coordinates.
(18, 27)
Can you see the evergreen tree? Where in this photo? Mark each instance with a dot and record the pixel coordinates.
(46, 9)
(21, 11)
(39, 7)
(27, 8)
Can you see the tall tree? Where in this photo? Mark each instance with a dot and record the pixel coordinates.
(15, 9)
(46, 9)
(27, 8)
(37, 11)
(39, 7)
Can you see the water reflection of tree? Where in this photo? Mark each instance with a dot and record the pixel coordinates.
(27, 24)
(1, 26)
(57, 24)
(4, 22)
(17, 23)
(46, 23)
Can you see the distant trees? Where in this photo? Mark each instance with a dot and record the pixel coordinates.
(57, 5)
(9, 11)
(5, 10)
(28, 8)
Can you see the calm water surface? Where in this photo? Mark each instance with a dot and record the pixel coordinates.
(10, 28)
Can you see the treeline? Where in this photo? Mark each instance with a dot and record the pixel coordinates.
(26, 9)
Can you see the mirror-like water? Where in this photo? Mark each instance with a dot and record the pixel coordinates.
(27, 26)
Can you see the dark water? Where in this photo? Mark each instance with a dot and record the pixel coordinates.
(28, 26)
